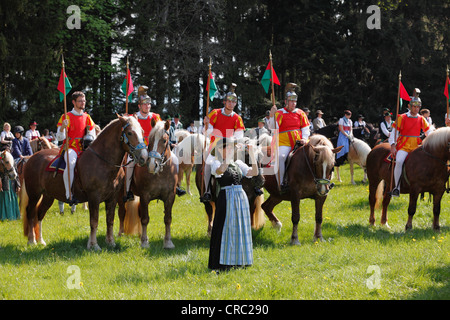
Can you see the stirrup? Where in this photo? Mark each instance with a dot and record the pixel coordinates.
(128, 197)
(180, 192)
(206, 197)
(394, 193)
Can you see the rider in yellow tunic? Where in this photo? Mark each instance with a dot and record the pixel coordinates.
(407, 130)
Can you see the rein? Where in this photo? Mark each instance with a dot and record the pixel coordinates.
(318, 181)
(106, 160)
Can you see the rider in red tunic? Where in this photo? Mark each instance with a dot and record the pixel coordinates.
(145, 116)
(221, 123)
(79, 124)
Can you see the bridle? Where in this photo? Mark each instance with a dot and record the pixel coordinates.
(160, 158)
(133, 149)
(5, 172)
(318, 181)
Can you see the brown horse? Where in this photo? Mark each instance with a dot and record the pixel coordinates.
(41, 143)
(425, 170)
(149, 183)
(309, 175)
(98, 171)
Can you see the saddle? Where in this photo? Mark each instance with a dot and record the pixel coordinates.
(297, 145)
(389, 159)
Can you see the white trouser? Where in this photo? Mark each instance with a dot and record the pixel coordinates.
(283, 152)
(71, 161)
(207, 172)
(399, 160)
(129, 169)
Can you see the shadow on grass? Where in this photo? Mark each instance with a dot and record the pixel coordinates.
(439, 275)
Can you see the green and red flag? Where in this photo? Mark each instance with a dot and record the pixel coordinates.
(211, 86)
(130, 86)
(446, 89)
(267, 78)
(63, 79)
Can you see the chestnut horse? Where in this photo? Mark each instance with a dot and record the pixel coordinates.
(425, 170)
(157, 180)
(309, 175)
(98, 171)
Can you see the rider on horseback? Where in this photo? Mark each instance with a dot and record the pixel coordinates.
(407, 131)
(223, 123)
(293, 125)
(145, 117)
(77, 123)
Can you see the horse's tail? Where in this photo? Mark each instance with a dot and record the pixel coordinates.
(258, 214)
(379, 194)
(23, 203)
(132, 222)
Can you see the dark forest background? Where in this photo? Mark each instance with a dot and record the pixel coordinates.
(324, 46)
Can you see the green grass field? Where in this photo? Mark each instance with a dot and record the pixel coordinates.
(354, 262)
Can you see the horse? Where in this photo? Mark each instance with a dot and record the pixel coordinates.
(186, 162)
(157, 180)
(425, 170)
(41, 143)
(357, 153)
(7, 169)
(98, 171)
(309, 174)
(250, 187)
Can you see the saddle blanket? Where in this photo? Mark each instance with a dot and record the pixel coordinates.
(57, 164)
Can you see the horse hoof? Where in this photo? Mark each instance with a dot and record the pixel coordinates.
(41, 241)
(168, 244)
(295, 242)
(111, 244)
(145, 245)
(277, 225)
(385, 225)
(32, 243)
(318, 239)
(94, 247)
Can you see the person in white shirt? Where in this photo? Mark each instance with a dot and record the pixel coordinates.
(386, 126)
(6, 137)
(318, 122)
(32, 133)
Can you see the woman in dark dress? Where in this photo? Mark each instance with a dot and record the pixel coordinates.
(231, 237)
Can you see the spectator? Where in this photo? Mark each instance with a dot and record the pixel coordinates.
(33, 133)
(6, 137)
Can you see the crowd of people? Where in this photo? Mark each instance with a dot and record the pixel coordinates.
(224, 127)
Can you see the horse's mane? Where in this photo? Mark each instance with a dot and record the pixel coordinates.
(362, 149)
(324, 146)
(437, 139)
(157, 131)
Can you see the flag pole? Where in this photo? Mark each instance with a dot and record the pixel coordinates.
(395, 135)
(208, 86)
(66, 146)
(126, 89)
(447, 84)
(274, 119)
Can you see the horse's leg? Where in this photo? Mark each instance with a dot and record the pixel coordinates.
(110, 207)
(32, 220)
(374, 194)
(143, 214)
(209, 212)
(338, 176)
(386, 201)
(45, 204)
(319, 201)
(188, 180)
(168, 203)
(411, 208)
(365, 175)
(295, 218)
(351, 172)
(268, 206)
(437, 210)
(93, 221)
(121, 214)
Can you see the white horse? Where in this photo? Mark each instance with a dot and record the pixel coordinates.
(357, 153)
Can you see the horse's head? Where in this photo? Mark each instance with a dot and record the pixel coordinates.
(133, 139)
(321, 153)
(7, 165)
(158, 144)
(437, 143)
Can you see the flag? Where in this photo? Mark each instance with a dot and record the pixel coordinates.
(63, 78)
(130, 86)
(403, 94)
(211, 86)
(447, 85)
(267, 77)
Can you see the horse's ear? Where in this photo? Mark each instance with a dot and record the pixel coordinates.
(153, 122)
(167, 125)
(336, 150)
